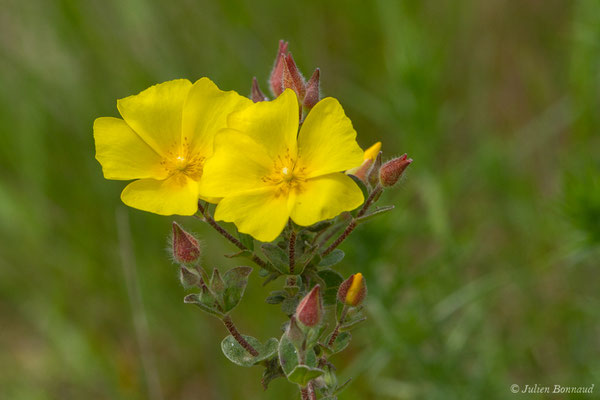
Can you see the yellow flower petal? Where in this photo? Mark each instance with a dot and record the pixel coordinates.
(155, 114)
(323, 198)
(177, 194)
(271, 123)
(260, 212)
(123, 154)
(205, 112)
(371, 152)
(327, 140)
(238, 164)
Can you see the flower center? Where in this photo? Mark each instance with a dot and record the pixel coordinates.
(286, 175)
(181, 162)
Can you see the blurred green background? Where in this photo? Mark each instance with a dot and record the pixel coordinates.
(485, 275)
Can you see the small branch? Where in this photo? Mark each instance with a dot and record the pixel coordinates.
(353, 223)
(312, 395)
(336, 331)
(292, 250)
(238, 337)
(304, 393)
(210, 220)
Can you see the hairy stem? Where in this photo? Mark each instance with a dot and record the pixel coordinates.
(304, 393)
(292, 251)
(354, 223)
(336, 331)
(238, 337)
(210, 220)
(312, 395)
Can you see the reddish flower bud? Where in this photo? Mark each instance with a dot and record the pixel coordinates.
(292, 78)
(313, 91)
(392, 170)
(186, 248)
(275, 81)
(310, 310)
(257, 94)
(353, 290)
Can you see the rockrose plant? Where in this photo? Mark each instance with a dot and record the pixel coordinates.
(289, 174)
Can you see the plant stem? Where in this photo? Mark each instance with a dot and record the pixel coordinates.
(292, 251)
(210, 220)
(304, 393)
(336, 331)
(312, 395)
(354, 222)
(238, 337)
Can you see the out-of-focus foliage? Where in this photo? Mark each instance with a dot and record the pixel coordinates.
(485, 275)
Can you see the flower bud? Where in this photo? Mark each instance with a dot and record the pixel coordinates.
(257, 94)
(292, 78)
(294, 333)
(362, 171)
(310, 310)
(353, 290)
(186, 248)
(372, 152)
(392, 170)
(275, 81)
(313, 91)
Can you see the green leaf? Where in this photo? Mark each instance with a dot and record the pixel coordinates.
(288, 356)
(374, 213)
(242, 254)
(332, 281)
(240, 356)
(276, 297)
(341, 342)
(204, 304)
(361, 185)
(288, 306)
(277, 256)
(235, 281)
(216, 283)
(303, 374)
(332, 258)
(247, 241)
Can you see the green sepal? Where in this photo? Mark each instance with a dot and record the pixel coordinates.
(205, 303)
(272, 371)
(288, 356)
(361, 185)
(332, 280)
(277, 256)
(235, 280)
(216, 284)
(240, 356)
(332, 258)
(303, 374)
(374, 213)
(340, 343)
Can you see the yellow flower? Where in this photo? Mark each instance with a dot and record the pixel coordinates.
(369, 157)
(371, 152)
(163, 140)
(267, 172)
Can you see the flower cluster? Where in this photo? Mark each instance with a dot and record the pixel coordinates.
(287, 172)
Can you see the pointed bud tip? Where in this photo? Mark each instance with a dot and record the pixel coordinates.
(392, 170)
(256, 94)
(185, 247)
(313, 90)
(310, 309)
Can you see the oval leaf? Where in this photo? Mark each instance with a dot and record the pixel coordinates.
(235, 281)
(238, 355)
(332, 258)
(303, 374)
(277, 256)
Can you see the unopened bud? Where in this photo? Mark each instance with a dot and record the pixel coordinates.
(186, 248)
(310, 310)
(392, 170)
(292, 78)
(362, 171)
(188, 278)
(353, 290)
(275, 81)
(257, 94)
(313, 90)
